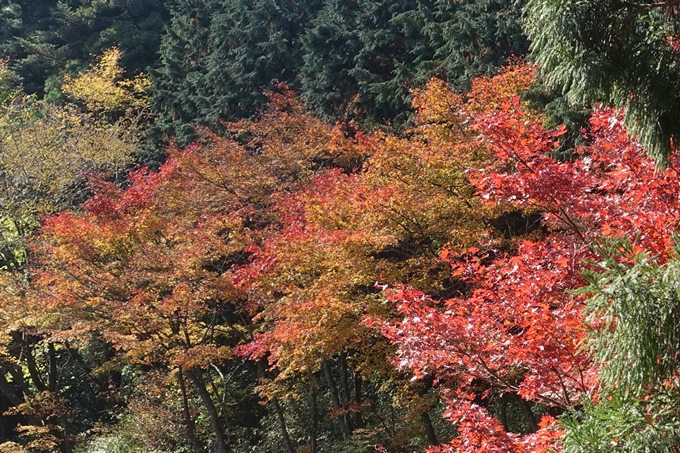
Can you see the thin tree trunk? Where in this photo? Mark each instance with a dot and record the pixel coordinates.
(358, 396)
(188, 419)
(66, 445)
(346, 434)
(282, 424)
(8, 391)
(262, 373)
(33, 368)
(503, 411)
(313, 421)
(18, 378)
(346, 395)
(527, 412)
(221, 443)
(12, 395)
(223, 411)
(52, 373)
(429, 429)
(425, 416)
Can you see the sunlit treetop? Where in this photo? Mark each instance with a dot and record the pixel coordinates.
(102, 88)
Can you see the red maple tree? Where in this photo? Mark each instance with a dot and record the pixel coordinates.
(518, 331)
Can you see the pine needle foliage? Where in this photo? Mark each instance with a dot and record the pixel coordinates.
(636, 309)
(625, 425)
(362, 59)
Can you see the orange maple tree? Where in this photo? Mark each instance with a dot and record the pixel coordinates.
(384, 222)
(148, 267)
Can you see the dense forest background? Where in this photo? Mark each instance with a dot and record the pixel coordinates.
(307, 226)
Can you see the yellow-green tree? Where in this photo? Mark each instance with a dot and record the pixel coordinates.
(47, 150)
(46, 154)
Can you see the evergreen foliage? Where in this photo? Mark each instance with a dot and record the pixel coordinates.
(362, 59)
(42, 38)
(634, 309)
(474, 37)
(256, 46)
(218, 58)
(350, 60)
(617, 52)
(183, 51)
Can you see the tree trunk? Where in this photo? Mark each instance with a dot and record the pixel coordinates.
(527, 412)
(358, 396)
(429, 429)
(18, 378)
(346, 395)
(33, 368)
(313, 421)
(188, 419)
(503, 411)
(282, 424)
(262, 373)
(425, 416)
(9, 391)
(346, 434)
(221, 443)
(223, 410)
(52, 374)
(66, 445)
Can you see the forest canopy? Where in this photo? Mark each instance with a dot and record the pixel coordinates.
(316, 226)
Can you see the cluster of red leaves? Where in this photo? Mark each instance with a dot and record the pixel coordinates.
(519, 330)
(480, 432)
(612, 188)
(149, 264)
(407, 192)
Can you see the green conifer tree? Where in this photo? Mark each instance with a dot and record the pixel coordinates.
(363, 58)
(474, 37)
(357, 60)
(42, 38)
(184, 48)
(256, 45)
(622, 53)
(217, 59)
(635, 312)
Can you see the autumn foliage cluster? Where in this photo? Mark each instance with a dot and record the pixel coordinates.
(316, 288)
